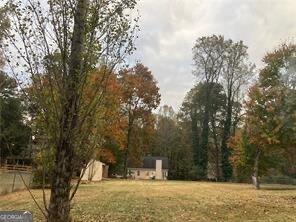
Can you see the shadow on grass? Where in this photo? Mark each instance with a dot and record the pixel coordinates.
(277, 187)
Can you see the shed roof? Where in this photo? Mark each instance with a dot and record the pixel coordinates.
(150, 162)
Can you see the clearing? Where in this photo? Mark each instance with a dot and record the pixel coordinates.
(119, 200)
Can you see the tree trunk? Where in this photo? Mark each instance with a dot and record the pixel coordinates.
(195, 138)
(129, 131)
(204, 138)
(255, 177)
(59, 206)
(217, 150)
(203, 148)
(226, 166)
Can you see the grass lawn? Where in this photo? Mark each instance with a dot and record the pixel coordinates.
(119, 200)
(7, 179)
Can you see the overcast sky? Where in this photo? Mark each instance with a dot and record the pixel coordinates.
(170, 27)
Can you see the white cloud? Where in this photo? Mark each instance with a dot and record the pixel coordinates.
(170, 27)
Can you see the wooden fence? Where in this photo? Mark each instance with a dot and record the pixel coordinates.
(10, 167)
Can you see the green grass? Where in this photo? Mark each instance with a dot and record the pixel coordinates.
(119, 200)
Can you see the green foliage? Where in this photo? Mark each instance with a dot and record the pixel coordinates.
(218, 61)
(171, 140)
(43, 170)
(193, 112)
(14, 133)
(243, 156)
(270, 118)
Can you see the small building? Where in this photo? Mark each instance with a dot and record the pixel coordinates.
(153, 168)
(95, 171)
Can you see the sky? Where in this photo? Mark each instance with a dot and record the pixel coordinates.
(169, 29)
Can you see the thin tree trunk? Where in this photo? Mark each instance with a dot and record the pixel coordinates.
(203, 148)
(255, 177)
(195, 138)
(59, 206)
(217, 151)
(204, 138)
(226, 166)
(126, 154)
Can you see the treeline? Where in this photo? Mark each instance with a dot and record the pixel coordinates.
(211, 111)
(230, 125)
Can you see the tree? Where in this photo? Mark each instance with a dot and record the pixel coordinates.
(141, 138)
(243, 155)
(171, 140)
(269, 121)
(263, 124)
(235, 75)
(113, 122)
(193, 107)
(58, 44)
(14, 133)
(208, 58)
(140, 97)
(165, 132)
(219, 60)
(4, 26)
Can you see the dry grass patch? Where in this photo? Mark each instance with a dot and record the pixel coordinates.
(119, 200)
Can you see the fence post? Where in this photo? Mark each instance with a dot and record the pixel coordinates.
(13, 182)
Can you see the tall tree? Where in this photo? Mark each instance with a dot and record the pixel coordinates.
(208, 59)
(140, 97)
(235, 75)
(193, 107)
(219, 60)
(58, 44)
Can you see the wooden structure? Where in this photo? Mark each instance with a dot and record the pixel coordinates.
(8, 167)
(95, 171)
(17, 163)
